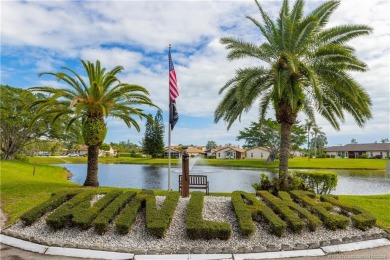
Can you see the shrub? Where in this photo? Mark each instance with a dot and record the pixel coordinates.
(364, 156)
(124, 155)
(84, 213)
(197, 227)
(282, 208)
(321, 182)
(105, 217)
(54, 202)
(312, 221)
(245, 204)
(63, 215)
(321, 209)
(378, 156)
(128, 215)
(21, 157)
(361, 219)
(273, 186)
(157, 221)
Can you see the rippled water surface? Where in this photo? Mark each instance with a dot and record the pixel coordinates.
(221, 179)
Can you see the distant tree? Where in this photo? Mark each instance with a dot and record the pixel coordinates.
(384, 140)
(153, 141)
(319, 141)
(15, 133)
(105, 147)
(211, 145)
(353, 141)
(308, 125)
(267, 134)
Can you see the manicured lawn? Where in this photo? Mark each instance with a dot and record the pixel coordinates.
(304, 163)
(379, 205)
(21, 190)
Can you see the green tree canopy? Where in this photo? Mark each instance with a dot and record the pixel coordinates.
(91, 101)
(211, 145)
(267, 134)
(307, 69)
(153, 141)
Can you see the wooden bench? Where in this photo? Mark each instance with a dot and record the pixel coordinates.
(196, 182)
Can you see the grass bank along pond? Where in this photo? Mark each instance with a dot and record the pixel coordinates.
(221, 178)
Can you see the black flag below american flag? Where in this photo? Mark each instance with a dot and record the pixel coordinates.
(173, 93)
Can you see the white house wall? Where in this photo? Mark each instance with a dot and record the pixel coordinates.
(257, 154)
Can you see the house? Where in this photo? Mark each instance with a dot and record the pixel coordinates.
(297, 153)
(257, 153)
(229, 152)
(175, 153)
(110, 153)
(357, 150)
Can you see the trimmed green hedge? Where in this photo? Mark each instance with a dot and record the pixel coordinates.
(321, 182)
(84, 214)
(332, 221)
(361, 219)
(312, 221)
(157, 221)
(197, 227)
(283, 208)
(129, 214)
(105, 217)
(247, 207)
(54, 202)
(63, 215)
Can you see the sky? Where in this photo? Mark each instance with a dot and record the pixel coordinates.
(43, 36)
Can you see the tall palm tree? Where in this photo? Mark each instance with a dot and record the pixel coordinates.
(306, 70)
(308, 125)
(91, 101)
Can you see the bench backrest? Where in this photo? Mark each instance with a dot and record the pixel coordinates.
(196, 179)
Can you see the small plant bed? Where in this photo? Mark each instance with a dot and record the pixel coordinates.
(146, 223)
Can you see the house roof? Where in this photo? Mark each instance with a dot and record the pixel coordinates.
(193, 150)
(260, 148)
(173, 149)
(359, 148)
(237, 149)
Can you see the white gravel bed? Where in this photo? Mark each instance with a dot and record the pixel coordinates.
(215, 208)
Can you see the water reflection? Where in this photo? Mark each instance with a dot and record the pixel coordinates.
(221, 179)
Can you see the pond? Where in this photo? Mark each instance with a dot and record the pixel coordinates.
(221, 179)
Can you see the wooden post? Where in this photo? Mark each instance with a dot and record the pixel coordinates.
(185, 191)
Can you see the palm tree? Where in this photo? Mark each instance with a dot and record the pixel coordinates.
(308, 125)
(306, 70)
(91, 102)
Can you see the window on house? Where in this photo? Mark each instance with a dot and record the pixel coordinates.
(372, 154)
(219, 154)
(252, 155)
(261, 155)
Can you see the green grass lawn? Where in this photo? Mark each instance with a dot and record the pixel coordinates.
(379, 205)
(304, 163)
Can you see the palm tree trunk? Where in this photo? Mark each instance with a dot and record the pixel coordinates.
(284, 153)
(92, 171)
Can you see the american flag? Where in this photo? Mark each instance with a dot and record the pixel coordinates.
(173, 93)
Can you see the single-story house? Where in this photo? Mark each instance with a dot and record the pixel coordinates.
(297, 153)
(229, 152)
(257, 153)
(357, 150)
(110, 152)
(175, 153)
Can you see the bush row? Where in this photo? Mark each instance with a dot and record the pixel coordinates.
(128, 215)
(197, 227)
(247, 207)
(321, 209)
(54, 202)
(63, 215)
(84, 213)
(105, 217)
(157, 221)
(361, 219)
(321, 182)
(283, 209)
(312, 221)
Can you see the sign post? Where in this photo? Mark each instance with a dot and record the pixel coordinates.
(185, 191)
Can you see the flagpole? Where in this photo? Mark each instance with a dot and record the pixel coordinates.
(169, 139)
